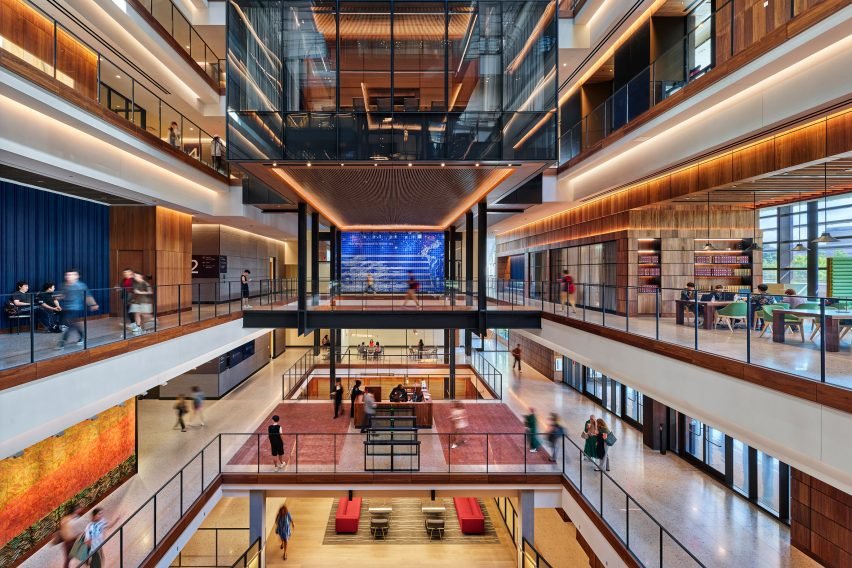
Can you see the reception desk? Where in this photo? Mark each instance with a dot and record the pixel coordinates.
(422, 411)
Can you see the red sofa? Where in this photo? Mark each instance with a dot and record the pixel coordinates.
(471, 519)
(347, 516)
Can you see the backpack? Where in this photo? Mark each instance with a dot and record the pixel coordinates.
(10, 308)
(568, 284)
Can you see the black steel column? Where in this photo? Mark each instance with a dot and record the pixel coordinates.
(446, 255)
(468, 274)
(332, 250)
(446, 346)
(813, 249)
(453, 274)
(302, 249)
(481, 288)
(314, 259)
(451, 340)
(339, 255)
(332, 357)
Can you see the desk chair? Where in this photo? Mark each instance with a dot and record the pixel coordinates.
(789, 320)
(732, 313)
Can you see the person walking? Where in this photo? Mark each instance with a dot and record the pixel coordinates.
(354, 395)
(174, 135)
(126, 290)
(369, 411)
(94, 537)
(276, 443)
(531, 422)
(337, 393)
(411, 294)
(590, 435)
(245, 278)
(284, 527)
(554, 435)
(569, 296)
(516, 353)
(180, 411)
(75, 299)
(604, 440)
(369, 288)
(198, 405)
(420, 347)
(459, 419)
(141, 304)
(71, 527)
(217, 150)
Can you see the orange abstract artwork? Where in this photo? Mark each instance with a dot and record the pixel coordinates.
(58, 468)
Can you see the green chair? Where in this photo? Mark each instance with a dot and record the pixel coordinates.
(814, 320)
(732, 313)
(789, 320)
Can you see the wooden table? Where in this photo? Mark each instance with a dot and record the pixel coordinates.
(433, 511)
(708, 310)
(830, 331)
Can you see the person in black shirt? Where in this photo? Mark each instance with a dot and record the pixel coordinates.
(398, 394)
(276, 443)
(353, 396)
(338, 397)
(48, 307)
(20, 299)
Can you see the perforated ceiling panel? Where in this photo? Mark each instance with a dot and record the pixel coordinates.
(365, 195)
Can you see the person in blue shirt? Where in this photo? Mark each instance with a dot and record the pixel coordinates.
(75, 298)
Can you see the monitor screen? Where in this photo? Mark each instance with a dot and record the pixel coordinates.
(388, 256)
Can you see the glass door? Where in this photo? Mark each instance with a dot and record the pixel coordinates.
(714, 449)
(695, 438)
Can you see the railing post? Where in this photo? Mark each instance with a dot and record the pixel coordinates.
(749, 323)
(155, 520)
(603, 305)
(85, 321)
(258, 454)
(229, 297)
(627, 308)
(181, 494)
(179, 305)
(120, 545)
(627, 521)
(661, 546)
(657, 312)
(601, 490)
(822, 335)
(695, 319)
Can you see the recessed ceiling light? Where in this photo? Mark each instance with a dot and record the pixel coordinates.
(443, 164)
(477, 165)
(309, 164)
(410, 164)
(274, 164)
(118, 76)
(375, 164)
(341, 165)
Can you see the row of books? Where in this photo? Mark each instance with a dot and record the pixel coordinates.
(722, 259)
(649, 260)
(713, 271)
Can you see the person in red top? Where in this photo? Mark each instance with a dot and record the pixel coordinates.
(126, 284)
(568, 292)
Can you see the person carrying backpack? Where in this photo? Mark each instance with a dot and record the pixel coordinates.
(569, 292)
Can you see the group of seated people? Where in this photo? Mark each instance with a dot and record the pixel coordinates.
(374, 349)
(399, 394)
(45, 303)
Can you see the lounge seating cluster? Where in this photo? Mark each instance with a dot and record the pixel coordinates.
(469, 513)
(348, 515)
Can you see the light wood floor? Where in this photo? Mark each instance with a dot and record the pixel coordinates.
(306, 548)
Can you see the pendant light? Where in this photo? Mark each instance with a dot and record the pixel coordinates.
(799, 247)
(825, 237)
(708, 245)
(754, 244)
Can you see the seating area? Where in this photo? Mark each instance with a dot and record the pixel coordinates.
(348, 515)
(469, 513)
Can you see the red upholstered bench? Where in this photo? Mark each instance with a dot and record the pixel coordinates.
(471, 519)
(347, 516)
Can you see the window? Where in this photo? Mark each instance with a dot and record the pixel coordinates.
(634, 406)
(740, 467)
(768, 493)
(714, 452)
(695, 438)
(594, 383)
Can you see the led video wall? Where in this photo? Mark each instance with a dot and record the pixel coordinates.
(388, 257)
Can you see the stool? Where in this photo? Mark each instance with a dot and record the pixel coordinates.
(379, 527)
(435, 526)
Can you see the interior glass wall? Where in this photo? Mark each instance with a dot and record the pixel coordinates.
(371, 80)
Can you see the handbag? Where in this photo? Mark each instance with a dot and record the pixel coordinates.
(79, 550)
(610, 439)
(584, 435)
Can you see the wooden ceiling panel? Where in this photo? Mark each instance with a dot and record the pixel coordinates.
(390, 196)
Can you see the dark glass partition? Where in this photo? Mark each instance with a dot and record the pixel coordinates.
(370, 80)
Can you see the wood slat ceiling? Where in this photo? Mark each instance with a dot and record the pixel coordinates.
(374, 26)
(802, 184)
(385, 196)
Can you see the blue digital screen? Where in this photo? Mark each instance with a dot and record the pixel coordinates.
(388, 257)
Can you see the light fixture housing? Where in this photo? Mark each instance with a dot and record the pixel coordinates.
(708, 246)
(825, 238)
(799, 248)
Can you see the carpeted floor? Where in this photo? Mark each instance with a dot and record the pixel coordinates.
(313, 421)
(407, 525)
(508, 446)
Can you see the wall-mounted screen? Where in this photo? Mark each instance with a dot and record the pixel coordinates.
(388, 257)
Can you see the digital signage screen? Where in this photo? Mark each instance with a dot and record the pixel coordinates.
(388, 256)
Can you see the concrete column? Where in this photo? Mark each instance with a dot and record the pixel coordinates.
(813, 249)
(526, 515)
(257, 518)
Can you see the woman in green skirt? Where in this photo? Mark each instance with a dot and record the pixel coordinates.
(590, 434)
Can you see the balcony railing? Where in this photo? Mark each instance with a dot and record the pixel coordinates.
(35, 332)
(711, 41)
(809, 339)
(480, 453)
(176, 25)
(50, 47)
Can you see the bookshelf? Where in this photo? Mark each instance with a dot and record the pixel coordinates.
(730, 264)
(648, 273)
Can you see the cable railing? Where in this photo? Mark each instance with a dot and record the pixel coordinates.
(509, 515)
(53, 49)
(213, 547)
(251, 557)
(734, 322)
(176, 25)
(46, 324)
(531, 556)
(138, 536)
(710, 41)
(488, 372)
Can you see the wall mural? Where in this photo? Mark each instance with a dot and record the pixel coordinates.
(388, 256)
(83, 464)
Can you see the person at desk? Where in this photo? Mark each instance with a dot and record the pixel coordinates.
(758, 300)
(418, 395)
(398, 394)
(689, 295)
(719, 294)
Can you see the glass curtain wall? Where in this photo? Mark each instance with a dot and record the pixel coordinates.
(372, 80)
(593, 267)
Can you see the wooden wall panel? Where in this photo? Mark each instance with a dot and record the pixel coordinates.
(174, 258)
(800, 146)
(76, 65)
(716, 172)
(684, 182)
(839, 134)
(819, 520)
(30, 34)
(754, 160)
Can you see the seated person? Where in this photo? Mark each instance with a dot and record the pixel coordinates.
(760, 299)
(418, 395)
(689, 295)
(325, 341)
(48, 307)
(398, 394)
(790, 297)
(21, 303)
(377, 351)
(719, 294)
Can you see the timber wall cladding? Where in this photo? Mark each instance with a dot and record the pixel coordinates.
(533, 354)
(821, 520)
(825, 137)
